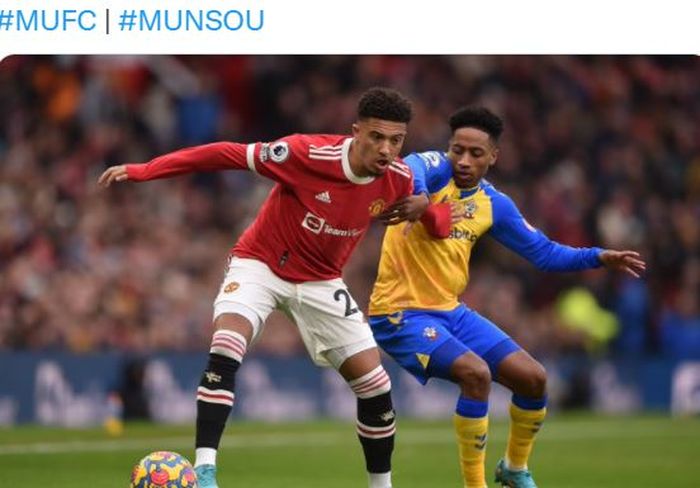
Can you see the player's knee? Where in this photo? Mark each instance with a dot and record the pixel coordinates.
(473, 375)
(236, 323)
(535, 386)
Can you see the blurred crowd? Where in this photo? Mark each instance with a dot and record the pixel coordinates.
(597, 151)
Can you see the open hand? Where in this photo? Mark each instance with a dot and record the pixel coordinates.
(626, 261)
(112, 174)
(409, 208)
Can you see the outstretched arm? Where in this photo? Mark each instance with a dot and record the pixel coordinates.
(513, 231)
(208, 157)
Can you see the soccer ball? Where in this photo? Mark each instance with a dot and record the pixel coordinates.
(163, 469)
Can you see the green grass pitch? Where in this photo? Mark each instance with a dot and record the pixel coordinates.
(579, 451)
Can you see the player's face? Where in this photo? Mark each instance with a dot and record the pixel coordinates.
(377, 143)
(472, 153)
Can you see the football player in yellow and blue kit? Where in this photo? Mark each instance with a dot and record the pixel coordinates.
(414, 309)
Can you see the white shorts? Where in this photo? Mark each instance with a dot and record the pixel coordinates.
(331, 325)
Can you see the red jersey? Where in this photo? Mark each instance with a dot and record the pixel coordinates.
(316, 213)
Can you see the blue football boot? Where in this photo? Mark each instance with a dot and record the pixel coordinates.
(206, 476)
(513, 479)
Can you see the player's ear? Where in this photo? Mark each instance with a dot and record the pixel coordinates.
(494, 156)
(355, 129)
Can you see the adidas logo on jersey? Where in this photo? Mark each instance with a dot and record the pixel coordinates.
(324, 197)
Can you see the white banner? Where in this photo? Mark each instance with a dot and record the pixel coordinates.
(358, 27)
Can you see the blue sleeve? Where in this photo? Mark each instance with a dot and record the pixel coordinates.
(431, 171)
(419, 173)
(512, 230)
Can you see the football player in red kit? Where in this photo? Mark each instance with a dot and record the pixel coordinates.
(329, 188)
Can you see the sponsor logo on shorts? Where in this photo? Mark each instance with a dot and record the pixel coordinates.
(231, 287)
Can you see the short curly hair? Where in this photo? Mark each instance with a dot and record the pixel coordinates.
(385, 104)
(479, 118)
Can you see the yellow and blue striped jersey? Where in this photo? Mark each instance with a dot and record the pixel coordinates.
(418, 271)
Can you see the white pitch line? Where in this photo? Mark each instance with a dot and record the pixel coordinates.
(252, 440)
(246, 441)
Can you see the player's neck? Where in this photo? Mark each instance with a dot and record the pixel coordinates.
(468, 188)
(355, 165)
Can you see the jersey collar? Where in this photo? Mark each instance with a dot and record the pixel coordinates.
(469, 191)
(347, 170)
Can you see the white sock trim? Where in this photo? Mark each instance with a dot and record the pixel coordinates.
(380, 480)
(374, 383)
(509, 465)
(205, 455)
(375, 432)
(229, 343)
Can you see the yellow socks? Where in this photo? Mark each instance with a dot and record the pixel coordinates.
(526, 417)
(471, 440)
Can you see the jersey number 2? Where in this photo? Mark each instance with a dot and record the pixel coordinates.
(342, 293)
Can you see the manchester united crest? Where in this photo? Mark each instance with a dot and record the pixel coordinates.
(376, 207)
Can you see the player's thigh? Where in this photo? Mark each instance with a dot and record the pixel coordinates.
(330, 323)
(419, 342)
(248, 294)
(482, 336)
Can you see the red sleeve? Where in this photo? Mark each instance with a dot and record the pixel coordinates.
(209, 157)
(282, 160)
(437, 220)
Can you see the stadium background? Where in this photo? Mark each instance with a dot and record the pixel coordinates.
(104, 292)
